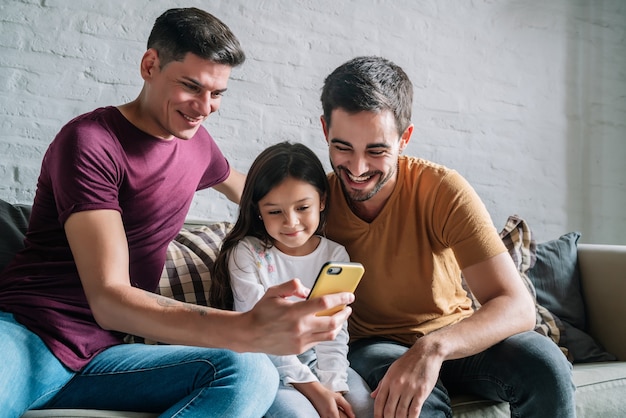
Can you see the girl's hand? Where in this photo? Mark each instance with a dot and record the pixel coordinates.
(328, 404)
(345, 410)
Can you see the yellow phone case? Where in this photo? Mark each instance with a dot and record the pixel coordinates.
(336, 277)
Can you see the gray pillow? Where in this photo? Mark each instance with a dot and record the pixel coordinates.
(582, 347)
(556, 278)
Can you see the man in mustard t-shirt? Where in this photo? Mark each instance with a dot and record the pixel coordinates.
(417, 226)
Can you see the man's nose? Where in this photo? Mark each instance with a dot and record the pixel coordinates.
(206, 104)
(358, 166)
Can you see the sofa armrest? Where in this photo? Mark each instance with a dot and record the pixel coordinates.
(603, 279)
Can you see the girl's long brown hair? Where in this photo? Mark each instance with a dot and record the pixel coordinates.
(269, 169)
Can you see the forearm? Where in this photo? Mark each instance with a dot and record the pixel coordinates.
(166, 320)
(506, 309)
(292, 371)
(496, 320)
(332, 362)
(275, 325)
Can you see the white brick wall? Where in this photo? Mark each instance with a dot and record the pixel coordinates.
(526, 99)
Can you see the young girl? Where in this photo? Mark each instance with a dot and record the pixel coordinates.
(277, 237)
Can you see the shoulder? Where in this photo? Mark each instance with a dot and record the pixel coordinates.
(413, 166)
(89, 130)
(333, 250)
(87, 140)
(430, 176)
(252, 247)
(100, 118)
(248, 243)
(329, 243)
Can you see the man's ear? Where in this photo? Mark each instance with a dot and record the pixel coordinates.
(406, 137)
(149, 63)
(324, 127)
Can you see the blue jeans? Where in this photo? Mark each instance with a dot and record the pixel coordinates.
(290, 403)
(526, 370)
(172, 380)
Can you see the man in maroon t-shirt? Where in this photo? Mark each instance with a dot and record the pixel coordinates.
(114, 189)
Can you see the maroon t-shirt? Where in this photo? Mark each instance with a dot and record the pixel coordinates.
(101, 161)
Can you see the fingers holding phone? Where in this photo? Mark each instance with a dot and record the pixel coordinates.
(336, 277)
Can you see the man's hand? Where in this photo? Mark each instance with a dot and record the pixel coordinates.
(506, 309)
(280, 326)
(408, 382)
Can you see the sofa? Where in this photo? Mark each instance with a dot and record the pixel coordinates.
(599, 290)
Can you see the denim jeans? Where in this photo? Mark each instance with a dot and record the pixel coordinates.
(527, 370)
(178, 381)
(290, 403)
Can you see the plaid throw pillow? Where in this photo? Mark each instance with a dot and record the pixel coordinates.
(190, 257)
(186, 275)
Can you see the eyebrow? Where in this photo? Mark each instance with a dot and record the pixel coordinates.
(199, 85)
(368, 146)
(306, 199)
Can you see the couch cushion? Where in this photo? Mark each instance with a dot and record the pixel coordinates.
(186, 275)
(13, 225)
(599, 392)
(556, 278)
(600, 389)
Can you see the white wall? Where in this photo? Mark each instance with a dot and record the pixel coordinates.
(525, 98)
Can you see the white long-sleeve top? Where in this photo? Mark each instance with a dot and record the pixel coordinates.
(253, 269)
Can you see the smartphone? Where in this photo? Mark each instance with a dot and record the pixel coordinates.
(336, 277)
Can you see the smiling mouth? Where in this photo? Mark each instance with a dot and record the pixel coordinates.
(358, 179)
(190, 119)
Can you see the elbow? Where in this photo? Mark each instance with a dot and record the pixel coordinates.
(529, 323)
(527, 314)
(103, 320)
(102, 314)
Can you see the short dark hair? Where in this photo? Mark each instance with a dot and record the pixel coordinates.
(369, 83)
(180, 31)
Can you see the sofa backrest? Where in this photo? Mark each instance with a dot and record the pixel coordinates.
(603, 280)
(13, 225)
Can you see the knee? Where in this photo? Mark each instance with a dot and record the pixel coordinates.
(542, 362)
(255, 378)
(253, 371)
(372, 357)
(260, 383)
(241, 374)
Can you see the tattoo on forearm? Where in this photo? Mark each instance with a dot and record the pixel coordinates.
(196, 308)
(169, 302)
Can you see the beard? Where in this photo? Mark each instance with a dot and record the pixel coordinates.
(353, 195)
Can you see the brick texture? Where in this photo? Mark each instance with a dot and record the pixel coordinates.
(525, 99)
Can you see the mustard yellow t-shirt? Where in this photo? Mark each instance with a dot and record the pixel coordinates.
(433, 225)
